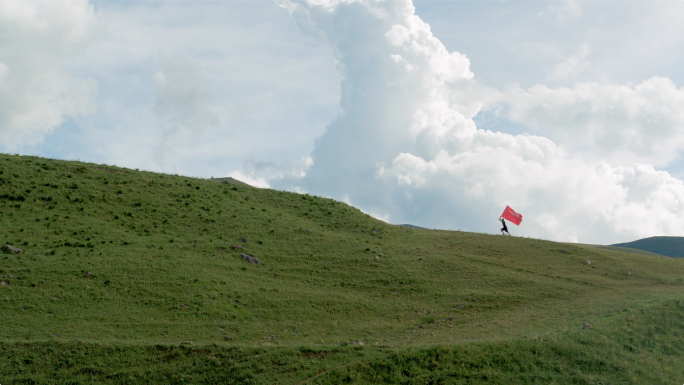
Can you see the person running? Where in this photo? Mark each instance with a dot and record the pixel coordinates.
(504, 228)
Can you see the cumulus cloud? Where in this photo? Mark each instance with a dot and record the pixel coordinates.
(184, 102)
(259, 173)
(562, 197)
(406, 147)
(36, 94)
(250, 179)
(640, 123)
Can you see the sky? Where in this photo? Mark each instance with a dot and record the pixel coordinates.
(433, 113)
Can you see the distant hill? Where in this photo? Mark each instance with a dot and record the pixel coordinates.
(629, 250)
(413, 227)
(230, 180)
(668, 246)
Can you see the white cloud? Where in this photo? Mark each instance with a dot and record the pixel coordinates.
(249, 179)
(406, 145)
(641, 123)
(36, 94)
(260, 173)
(562, 197)
(184, 102)
(279, 170)
(246, 63)
(571, 67)
(565, 10)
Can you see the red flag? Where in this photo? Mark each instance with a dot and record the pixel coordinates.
(512, 216)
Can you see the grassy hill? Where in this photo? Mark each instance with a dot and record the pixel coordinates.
(669, 246)
(131, 277)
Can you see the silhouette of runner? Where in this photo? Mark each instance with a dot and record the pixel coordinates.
(504, 228)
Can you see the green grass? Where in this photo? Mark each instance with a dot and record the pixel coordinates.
(129, 276)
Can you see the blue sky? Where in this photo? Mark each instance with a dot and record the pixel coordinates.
(436, 113)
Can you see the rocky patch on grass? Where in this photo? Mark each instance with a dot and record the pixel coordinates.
(7, 249)
(243, 240)
(238, 247)
(250, 259)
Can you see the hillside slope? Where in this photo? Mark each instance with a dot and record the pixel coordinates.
(128, 265)
(668, 246)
